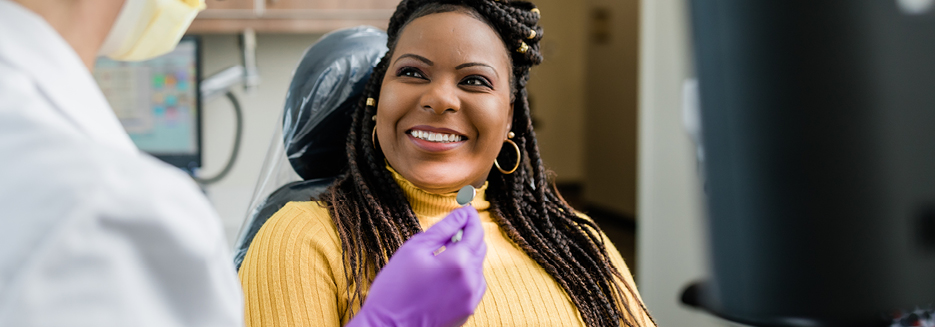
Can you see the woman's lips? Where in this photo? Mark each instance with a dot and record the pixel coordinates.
(434, 139)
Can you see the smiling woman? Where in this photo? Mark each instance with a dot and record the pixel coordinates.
(446, 107)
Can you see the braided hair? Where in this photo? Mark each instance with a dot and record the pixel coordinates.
(374, 218)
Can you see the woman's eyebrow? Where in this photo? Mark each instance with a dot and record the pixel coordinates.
(473, 64)
(417, 57)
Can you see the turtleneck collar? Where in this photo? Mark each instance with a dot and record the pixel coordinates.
(425, 204)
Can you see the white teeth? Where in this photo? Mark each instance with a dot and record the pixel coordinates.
(435, 137)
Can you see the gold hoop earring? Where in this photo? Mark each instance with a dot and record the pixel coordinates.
(518, 159)
(373, 137)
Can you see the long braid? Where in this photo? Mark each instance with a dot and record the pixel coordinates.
(374, 218)
(583, 278)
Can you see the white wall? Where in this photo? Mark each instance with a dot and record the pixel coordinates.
(277, 56)
(671, 244)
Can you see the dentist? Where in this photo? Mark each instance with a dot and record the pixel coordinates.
(95, 233)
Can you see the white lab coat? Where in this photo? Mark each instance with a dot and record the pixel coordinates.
(93, 232)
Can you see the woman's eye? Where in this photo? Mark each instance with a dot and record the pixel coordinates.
(476, 81)
(410, 72)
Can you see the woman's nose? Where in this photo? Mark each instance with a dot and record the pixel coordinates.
(441, 98)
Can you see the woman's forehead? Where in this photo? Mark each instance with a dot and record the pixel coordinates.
(452, 38)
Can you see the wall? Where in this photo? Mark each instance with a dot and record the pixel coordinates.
(557, 88)
(671, 245)
(611, 117)
(277, 56)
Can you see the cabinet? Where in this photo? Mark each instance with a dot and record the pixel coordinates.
(291, 16)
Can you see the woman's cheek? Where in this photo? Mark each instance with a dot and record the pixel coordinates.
(389, 99)
(495, 120)
(493, 136)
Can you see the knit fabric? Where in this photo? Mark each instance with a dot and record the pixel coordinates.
(294, 272)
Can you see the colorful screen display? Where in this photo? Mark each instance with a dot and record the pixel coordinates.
(157, 101)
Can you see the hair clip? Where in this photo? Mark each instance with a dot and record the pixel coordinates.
(371, 102)
(532, 34)
(535, 10)
(522, 47)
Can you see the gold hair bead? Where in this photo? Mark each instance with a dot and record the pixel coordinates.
(535, 10)
(532, 34)
(510, 135)
(371, 102)
(522, 47)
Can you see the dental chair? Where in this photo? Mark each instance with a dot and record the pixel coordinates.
(307, 153)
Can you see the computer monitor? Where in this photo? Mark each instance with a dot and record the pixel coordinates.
(158, 103)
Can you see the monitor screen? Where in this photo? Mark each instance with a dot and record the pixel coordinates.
(157, 102)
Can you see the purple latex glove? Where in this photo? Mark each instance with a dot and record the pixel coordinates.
(419, 288)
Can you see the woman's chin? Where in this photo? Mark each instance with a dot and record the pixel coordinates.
(439, 180)
(438, 186)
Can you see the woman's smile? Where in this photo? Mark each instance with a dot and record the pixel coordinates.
(433, 139)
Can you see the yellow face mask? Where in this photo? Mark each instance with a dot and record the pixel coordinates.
(149, 28)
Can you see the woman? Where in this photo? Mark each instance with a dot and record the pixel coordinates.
(439, 109)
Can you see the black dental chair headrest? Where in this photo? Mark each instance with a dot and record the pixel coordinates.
(325, 86)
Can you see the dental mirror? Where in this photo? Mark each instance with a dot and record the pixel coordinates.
(465, 196)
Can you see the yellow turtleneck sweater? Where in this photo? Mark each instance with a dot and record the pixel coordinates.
(293, 274)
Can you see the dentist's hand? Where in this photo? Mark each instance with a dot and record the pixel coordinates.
(419, 288)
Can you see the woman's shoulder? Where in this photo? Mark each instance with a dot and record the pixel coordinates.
(294, 258)
(297, 233)
(308, 210)
(300, 222)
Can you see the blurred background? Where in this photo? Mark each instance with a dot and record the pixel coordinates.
(607, 105)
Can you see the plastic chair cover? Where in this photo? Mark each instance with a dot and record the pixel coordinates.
(308, 148)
